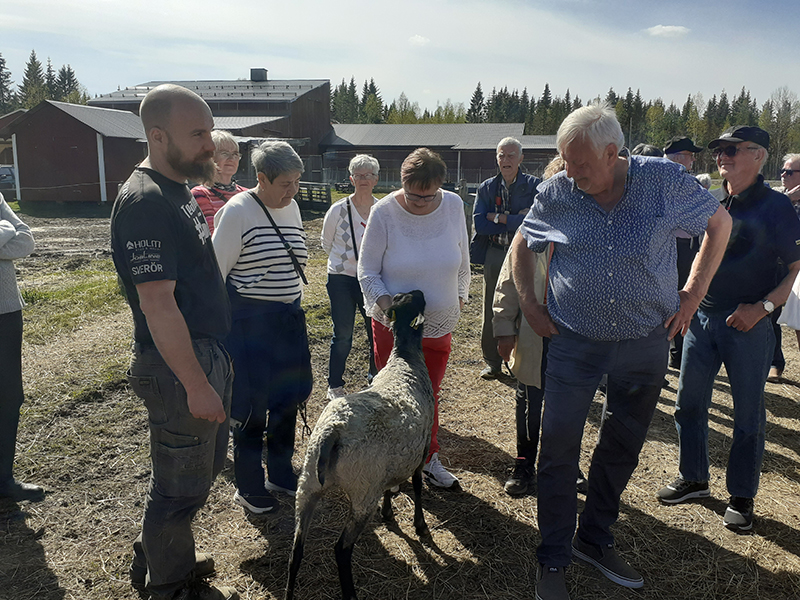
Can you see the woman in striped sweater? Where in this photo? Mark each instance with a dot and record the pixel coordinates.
(260, 245)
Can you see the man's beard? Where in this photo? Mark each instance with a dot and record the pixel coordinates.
(202, 168)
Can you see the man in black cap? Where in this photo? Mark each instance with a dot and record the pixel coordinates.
(681, 150)
(732, 327)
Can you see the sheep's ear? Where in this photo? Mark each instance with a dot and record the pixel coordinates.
(391, 315)
(418, 320)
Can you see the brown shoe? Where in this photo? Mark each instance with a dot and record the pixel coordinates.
(775, 375)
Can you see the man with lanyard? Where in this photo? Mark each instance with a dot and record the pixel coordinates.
(612, 304)
(500, 205)
(161, 246)
(681, 150)
(732, 327)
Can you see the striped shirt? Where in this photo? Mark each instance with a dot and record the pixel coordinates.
(250, 254)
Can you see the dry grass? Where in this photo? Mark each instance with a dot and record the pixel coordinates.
(84, 436)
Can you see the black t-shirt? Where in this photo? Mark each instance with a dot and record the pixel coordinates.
(158, 233)
(765, 229)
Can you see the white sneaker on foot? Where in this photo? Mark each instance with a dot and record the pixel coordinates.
(435, 473)
(334, 393)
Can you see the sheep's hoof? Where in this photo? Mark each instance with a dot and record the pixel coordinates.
(388, 517)
(423, 531)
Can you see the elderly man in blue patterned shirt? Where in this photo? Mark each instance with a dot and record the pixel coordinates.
(612, 305)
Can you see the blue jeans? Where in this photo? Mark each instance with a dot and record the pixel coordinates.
(269, 346)
(186, 454)
(345, 296)
(575, 365)
(746, 356)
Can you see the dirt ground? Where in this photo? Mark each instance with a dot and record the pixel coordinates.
(87, 444)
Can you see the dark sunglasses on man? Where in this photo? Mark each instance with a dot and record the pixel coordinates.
(729, 150)
(789, 172)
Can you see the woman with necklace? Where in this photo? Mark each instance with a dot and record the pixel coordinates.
(212, 195)
(342, 231)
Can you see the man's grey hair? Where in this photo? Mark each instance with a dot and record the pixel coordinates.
(594, 123)
(365, 162)
(274, 158)
(704, 179)
(223, 140)
(510, 141)
(792, 158)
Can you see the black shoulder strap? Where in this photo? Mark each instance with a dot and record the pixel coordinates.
(352, 231)
(287, 245)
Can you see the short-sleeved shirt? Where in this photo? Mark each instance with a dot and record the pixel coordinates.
(158, 233)
(613, 275)
(765, 228)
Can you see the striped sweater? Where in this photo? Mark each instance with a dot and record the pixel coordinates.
(250, 254)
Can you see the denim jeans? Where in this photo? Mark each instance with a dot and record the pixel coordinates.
(11, 394)
(746, 356)
(529, 400)
(186, 455)
(269, 346)
(575, 365)
(345, 296)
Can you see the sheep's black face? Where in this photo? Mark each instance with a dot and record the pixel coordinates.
(407, 309)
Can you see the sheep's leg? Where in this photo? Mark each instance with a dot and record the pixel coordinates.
(419, 519)
(305, 511)
(344, 553)
(386, 512)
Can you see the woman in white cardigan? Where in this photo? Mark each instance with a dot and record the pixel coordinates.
(342, 232)
(16, 241)
(416, 238)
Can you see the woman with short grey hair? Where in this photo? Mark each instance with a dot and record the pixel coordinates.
(212, 195)
(260, 245)
(342, 231)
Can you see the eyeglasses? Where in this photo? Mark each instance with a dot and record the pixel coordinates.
(789, 172)
(363, 176)
(229, 155)
(418, 198)
(730, 151)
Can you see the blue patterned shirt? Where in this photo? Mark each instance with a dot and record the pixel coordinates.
(613, 275)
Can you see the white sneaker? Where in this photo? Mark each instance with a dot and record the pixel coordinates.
(435, 473)
(334, 393)
(274, 487)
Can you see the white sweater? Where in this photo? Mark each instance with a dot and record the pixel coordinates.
(402, 252)
(16, 241)
(336, 238)
(250, 254)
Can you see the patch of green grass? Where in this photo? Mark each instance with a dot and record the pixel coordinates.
(64, 301)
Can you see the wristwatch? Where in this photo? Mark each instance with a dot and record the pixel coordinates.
(768, 306)
(496, 218)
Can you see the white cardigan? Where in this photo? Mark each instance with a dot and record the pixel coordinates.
(402, 252)
(16, 241)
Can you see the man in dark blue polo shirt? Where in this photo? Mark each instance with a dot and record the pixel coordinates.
(731, 327)
(612, 305)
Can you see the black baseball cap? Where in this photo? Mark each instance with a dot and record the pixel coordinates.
(681, 144)
(742, 133)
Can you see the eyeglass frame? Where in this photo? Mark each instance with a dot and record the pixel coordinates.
(412, 196)
(363, 176)
(719, 151)
(228, 155)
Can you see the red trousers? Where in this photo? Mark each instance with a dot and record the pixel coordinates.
(436, 351)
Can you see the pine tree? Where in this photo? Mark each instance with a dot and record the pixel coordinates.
(7, 96)
(69, 89)
(475, 114)
(50, 82)
(32, 90)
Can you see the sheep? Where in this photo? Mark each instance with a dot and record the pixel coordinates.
(368, 442)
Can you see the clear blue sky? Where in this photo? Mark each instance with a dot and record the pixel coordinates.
(430, 49)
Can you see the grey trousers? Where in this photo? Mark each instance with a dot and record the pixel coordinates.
(186, 455)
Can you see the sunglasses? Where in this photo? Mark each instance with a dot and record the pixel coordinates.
(789, 172)
(730, 151)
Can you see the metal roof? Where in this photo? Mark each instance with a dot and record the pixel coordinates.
(105, 121)
(223, 90)
(242, 122)
(453, 135)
